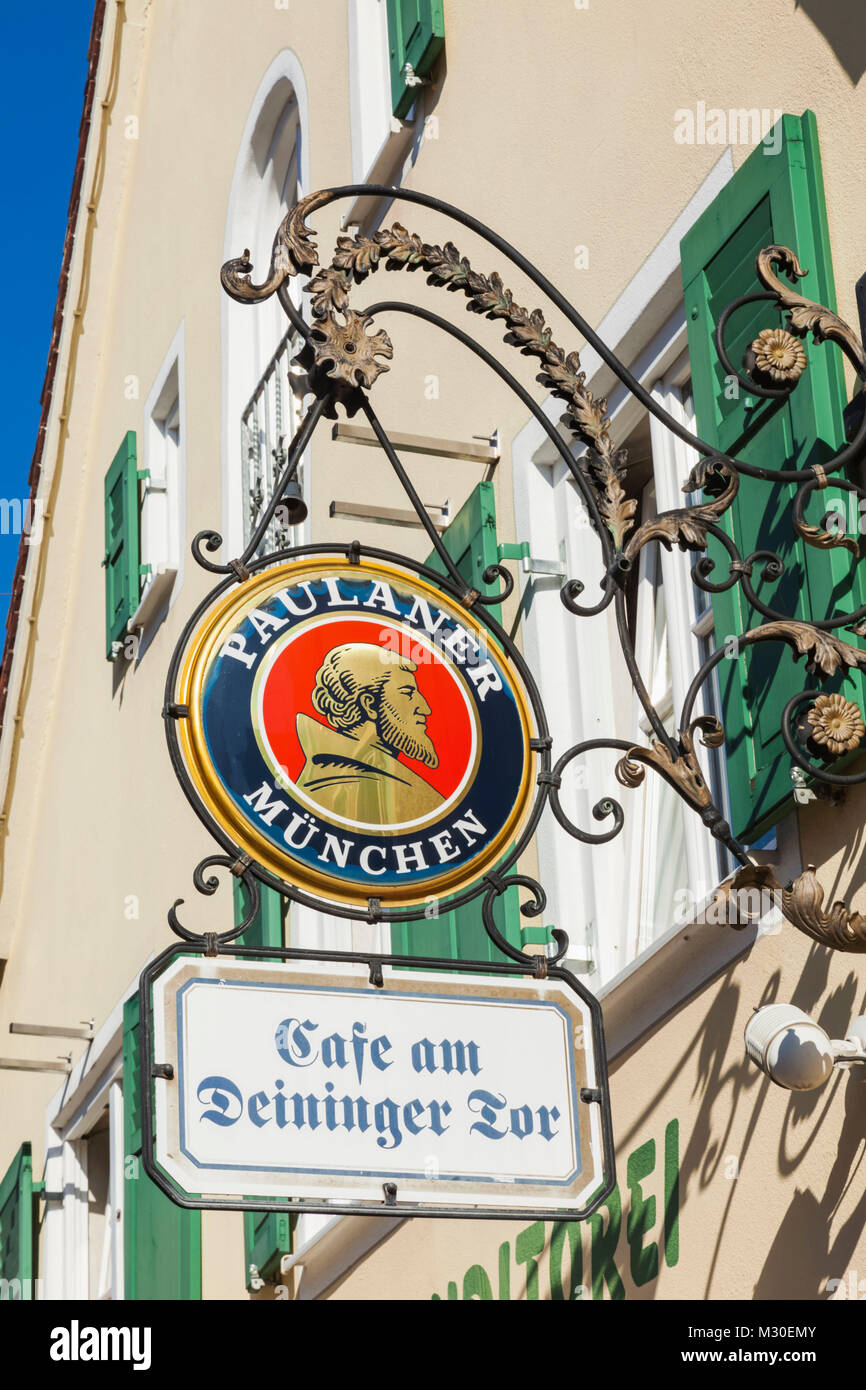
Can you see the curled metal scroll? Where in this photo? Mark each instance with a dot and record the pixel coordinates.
(344, 351)
(240, 867)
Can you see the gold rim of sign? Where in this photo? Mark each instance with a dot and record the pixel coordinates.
(209, 635)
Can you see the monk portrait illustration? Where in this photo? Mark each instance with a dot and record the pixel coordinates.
(374, 710)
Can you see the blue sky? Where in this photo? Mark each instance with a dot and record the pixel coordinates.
(44, 66)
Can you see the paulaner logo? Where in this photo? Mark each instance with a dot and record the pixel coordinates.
(75, 1343)
(357, 731)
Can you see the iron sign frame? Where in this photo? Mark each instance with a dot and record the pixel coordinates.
(154, 1069)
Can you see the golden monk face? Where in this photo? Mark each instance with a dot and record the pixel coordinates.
(360, 684)
(400, 713)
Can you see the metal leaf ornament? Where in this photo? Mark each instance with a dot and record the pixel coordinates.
(347, 352)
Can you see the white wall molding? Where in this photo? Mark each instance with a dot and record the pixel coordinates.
(283, 83)
(95, 1082)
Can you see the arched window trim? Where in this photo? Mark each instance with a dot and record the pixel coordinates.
(249, 208)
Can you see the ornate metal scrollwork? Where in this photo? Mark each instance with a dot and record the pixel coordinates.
(342, 357)
(801, 901)
(240, 867)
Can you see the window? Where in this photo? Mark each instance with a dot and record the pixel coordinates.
(101, 1216)
(370, 85)
(267, 1235)
(268, 424)
(260, 407)
(615, 899)
(108, 1231)
(163, 499)
(667, 848)
(381, 142)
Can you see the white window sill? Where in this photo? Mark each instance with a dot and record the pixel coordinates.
(154, 599)
(386, 169)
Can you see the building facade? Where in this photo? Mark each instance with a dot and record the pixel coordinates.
(640, 162)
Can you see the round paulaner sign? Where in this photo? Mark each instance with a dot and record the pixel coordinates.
(356, 732)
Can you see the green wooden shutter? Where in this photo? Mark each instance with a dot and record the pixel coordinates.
(267, 927)
(121, 562)
(773, 198)
(17, 1220)
(162, 1241)
(471, 542)
(267, 1235)
(416, 35)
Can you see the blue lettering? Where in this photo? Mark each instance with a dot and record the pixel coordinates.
(436, 1113)
(223, 1092)
(292, 1045)
(312, 1115)
(545, 1115)
(334, 1051)
(359, 1042)
(423, 1055)
(411, 1112)
(386, 1117)
(280, 1105)
(488, 1105)
(377, 1047)
(355, 1112)
(255, 1105)
(521, 1121)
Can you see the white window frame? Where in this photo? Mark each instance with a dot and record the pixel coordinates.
(382, 144)
(373, 125)
(705, 864)
(95, 1081)
(163, 503)
(248, 336)
(587, 878)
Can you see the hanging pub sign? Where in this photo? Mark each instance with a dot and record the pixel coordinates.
(355, 731)
(314, 1084)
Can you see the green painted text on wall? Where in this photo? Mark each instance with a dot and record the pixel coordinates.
(651, 1237)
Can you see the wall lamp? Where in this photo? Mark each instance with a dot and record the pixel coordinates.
(795, 1052)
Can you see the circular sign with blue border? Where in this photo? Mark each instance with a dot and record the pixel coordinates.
(356, 732)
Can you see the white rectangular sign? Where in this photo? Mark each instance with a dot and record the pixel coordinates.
(304, 1080)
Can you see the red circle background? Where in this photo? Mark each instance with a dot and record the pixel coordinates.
(291, 679)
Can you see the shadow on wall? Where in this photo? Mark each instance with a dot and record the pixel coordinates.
(722, 1089)
(851, 875)
(802, 1258)
(843, 29)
